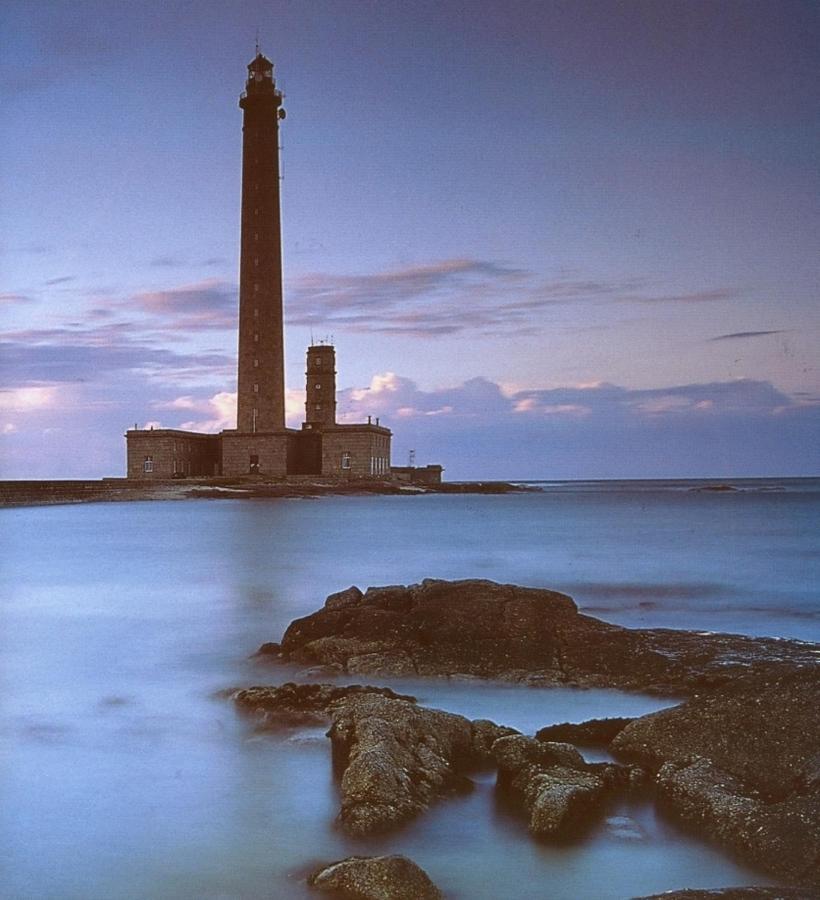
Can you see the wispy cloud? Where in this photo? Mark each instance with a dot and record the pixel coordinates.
(458, 296)
(63, 279)
(166, 262)
(10, 298)
(203, 306)
(741, 335)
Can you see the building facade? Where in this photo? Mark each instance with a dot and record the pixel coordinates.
(261, 445)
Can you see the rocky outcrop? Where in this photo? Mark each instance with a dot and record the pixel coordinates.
(741, 766)
(592, 733)
(491, 630)
(375, 878)
(558, 790)
(300, 704)
(394, 759)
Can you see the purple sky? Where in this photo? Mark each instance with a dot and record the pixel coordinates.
(549, 239)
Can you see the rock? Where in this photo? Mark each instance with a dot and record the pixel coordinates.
(485, 734)
(551, 781)
(738, 765)
(298, 704)
(489, 630)
(269, 648)
(593, 733)
(344, 599)
(375, 878)
(395, 758)
(737, 893)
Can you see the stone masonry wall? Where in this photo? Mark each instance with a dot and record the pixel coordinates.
(271, 451)
(356, 451)
(170, 453)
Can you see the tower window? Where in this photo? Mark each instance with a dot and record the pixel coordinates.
(317, 407)
(256, 288)
(256, 389)
(256, 260)
(148, 464)
(318, 387)
(256, 364)
(255, 313)
(256, 337)
(318, 362)
(345, 460)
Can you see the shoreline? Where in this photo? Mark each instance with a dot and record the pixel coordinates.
(110, 490)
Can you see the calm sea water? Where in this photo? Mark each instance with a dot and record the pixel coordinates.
(123, 777)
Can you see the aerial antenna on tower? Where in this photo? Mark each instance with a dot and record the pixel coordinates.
(257, 42)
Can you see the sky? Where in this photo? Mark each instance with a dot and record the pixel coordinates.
(548, 239)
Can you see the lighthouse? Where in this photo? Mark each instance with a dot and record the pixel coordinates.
(261, 446)
(261, 363)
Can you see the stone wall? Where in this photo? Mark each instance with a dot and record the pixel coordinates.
(356, 451)
(265, 454)
(157, 454)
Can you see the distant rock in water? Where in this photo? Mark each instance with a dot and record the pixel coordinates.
(375, 878)
(533, 635)
(737, 893)
(715, 488)
(742, 766)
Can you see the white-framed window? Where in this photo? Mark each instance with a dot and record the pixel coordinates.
(346, 460)
(256, 337)
(148, 464)
(256, 364)
(318, 387)
(256, 388)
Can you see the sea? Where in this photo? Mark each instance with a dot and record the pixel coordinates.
(126, 774)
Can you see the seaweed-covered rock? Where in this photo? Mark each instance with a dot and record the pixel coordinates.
(375, 878)
(490, 630)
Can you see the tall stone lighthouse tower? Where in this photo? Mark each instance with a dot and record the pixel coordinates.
(261, 383)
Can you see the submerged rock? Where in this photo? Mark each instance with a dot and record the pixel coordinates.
(295, 704)
(739, 766)
(559, 791)
(489, 630)
(375, 878)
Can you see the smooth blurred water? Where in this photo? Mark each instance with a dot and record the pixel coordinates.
(123, 777)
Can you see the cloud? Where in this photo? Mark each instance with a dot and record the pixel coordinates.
(458, 296)
(166, 262)
(740, 335)
(479, 430)
(27, 398)
(63, 279)
(10, 298)
(206, 305)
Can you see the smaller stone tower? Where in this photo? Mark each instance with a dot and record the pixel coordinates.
(320, 374)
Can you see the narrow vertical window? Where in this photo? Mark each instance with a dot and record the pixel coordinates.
(148, 464)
